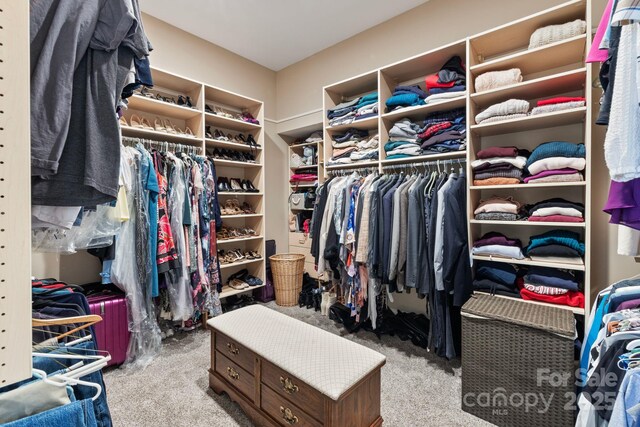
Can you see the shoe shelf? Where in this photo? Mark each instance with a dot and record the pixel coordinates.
(241, 216)
(216, 143)
(239, 239)
(228, 291)
(230, 123)
(235, 163)
(240, 263)
(160, 136)
(154, 106)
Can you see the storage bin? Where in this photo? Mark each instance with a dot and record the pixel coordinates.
(287, 272)
(518, 364)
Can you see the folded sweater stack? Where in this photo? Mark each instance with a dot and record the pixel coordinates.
(496, 278)
(509, 109)
(499, 166)
(556, 161)
(555, 33)
(498, 245)
(405, 96)
(450, 79)
(497, 79)
(443, 132)
(556, 246)
(551, 285)
(558, 103)
(498, 208)
(358, 108)
(345, 144)
(556, 210)
(403, 140)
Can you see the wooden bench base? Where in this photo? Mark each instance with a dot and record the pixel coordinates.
(275, 398)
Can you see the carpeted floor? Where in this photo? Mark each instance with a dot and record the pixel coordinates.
(418, 389)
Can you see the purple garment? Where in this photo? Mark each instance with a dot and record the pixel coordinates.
(495, 238)
(628, 305)
(491, 167)
(623, 203)
(565, 171)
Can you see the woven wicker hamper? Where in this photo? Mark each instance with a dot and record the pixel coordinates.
(288, 270)
(517, 360)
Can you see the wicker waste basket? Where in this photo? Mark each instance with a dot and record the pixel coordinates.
(518, 366)
(287, 272)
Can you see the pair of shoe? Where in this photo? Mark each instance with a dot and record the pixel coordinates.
(232, 207)
(243, 280)
(236, 156)
(182, 99)
(226, 185)
(226, 233)
(236, 255)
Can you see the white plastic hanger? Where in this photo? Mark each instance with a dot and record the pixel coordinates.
(67, 381)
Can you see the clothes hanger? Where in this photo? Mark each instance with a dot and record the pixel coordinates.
(86, 321)
(67, 381)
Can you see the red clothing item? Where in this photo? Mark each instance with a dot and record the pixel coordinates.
(571, 298)
(432, 82)
(433, 129)
(559, 100)
(556, 218)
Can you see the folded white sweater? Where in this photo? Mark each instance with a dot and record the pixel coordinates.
(496, 79)
(518, 162)
(553, 163)
(555, 33)
(508, 107)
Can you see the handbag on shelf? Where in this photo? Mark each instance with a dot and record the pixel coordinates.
(296, 200)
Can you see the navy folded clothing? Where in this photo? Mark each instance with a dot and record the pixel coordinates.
(555, 202)
(553, 250)
(442, 116)
(456, 88)
(495, 288)
(566, 238)
(342, 108)
(355, 134)
(554, 277)
(499, 272)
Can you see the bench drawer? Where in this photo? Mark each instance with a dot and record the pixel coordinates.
(293, 390)
(284, 412)
(242, 380)
(236, 352)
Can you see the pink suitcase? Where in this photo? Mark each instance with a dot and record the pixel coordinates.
(112, 334)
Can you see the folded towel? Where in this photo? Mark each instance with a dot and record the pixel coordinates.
(496, 79)
(555, 33)
(506, 108)
(557, 107)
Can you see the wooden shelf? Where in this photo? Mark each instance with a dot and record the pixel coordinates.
(575, 310)
(228, 291)
(530, 223)
(239, 263)
(241, 216)
(229, 99)
(420, 111)
(301, 209)
(238, 193)
(353, 165)
(425, 158)
(160, 136)
(304, 167)
(527, 261)
(302, 144)
(364, 124)
(553, 55)
(555, 84)
(516, 34)
(355, 86)
(239, 240)
(303, 185)
(216, 143)
(227, 123)
(161, 108)
(525, 186)
(538, 121)
(222, 162)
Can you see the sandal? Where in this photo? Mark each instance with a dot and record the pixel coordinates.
(188, 132)
(123, 121)
(159, 126)
(145, 124)
(136, 122)
(255, 255)
(238, 284)
(169, 127)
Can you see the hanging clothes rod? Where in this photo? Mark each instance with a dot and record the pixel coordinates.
(437, 163)
(163, 145)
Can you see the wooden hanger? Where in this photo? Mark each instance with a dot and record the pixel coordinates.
(85, 321)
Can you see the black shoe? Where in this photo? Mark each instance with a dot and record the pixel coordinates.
(252, 142)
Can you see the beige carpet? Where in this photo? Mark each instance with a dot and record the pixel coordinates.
(418, 389)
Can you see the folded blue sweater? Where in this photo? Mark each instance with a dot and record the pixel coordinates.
(403, 100)
(557, 237)
(556, 149)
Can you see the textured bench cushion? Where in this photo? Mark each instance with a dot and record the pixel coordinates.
(327, 362)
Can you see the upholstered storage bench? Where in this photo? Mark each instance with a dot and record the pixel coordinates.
(283, 372)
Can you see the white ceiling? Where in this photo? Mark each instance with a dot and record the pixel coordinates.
(276, 33)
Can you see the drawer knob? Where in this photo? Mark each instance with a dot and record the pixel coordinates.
(288, 385)
(288, 416)
(232, 348)
(233, 374)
